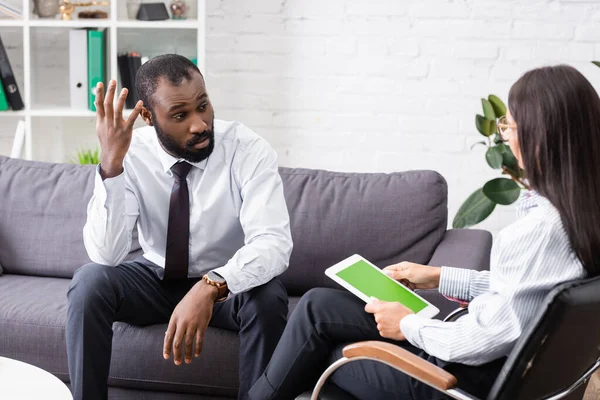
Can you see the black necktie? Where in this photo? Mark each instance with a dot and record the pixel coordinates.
(178, 230)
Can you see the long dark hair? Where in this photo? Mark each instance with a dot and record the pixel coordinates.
(557, 112)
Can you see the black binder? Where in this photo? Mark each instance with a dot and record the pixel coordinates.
(8, 81)
(129, 64)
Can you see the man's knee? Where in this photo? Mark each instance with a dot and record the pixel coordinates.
(90, 281)
(270, 298)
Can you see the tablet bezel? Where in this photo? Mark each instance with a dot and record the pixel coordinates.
(428, 312)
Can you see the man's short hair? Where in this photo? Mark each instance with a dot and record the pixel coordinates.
(173, 67)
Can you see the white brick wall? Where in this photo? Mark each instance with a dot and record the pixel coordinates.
(386, 85)
(379, 85)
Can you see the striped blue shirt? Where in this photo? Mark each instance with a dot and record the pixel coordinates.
(528, 259)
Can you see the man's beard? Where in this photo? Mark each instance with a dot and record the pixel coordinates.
(188, 153)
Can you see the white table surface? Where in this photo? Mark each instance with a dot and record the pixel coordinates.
(22, 381)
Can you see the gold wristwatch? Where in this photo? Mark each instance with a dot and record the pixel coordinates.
(216, 280)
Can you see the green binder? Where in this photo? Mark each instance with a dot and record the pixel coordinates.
(96, 63)
(3, 101)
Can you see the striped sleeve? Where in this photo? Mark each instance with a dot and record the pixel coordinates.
(533, 256)
(463, 284)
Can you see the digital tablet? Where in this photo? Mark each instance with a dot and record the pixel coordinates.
(365, 280)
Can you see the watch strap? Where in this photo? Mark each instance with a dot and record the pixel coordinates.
(223, 290)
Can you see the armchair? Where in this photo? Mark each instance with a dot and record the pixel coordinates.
(556, 354)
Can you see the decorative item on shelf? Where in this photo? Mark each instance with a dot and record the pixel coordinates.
(67, 8)
(152, 12)
(94, 14)
(505, 191)
(179, 9)
(46, 8)
(132, 8)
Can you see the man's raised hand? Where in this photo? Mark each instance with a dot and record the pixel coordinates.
(114, 132)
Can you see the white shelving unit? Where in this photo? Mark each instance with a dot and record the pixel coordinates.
(44, 98)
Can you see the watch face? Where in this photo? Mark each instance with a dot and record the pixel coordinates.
(213, 276)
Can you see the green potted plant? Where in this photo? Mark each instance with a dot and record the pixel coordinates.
(87, 156)
(503, 190)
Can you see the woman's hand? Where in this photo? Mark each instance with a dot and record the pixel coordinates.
(415, 276)
(388, 316)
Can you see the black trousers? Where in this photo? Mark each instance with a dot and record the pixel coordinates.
(323, 322)
(134, 292)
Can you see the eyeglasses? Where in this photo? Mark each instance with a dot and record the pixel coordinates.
(504, 128)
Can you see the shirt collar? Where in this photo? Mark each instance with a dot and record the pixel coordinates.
(167, 160)
(530, 199)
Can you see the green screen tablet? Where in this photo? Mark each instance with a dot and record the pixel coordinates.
(366, 280)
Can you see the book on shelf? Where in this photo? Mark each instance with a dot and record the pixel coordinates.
(10, 11)
(96, 62)
(17, 148)
(129, 63)
(9, 83)
(3, 101)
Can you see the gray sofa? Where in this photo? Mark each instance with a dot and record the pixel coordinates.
(385, 217)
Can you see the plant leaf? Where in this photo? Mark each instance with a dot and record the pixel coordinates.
(483, 125)
(494, 157)
(508, 158)
(596, 63)
(475, 144)
(488, 110)
(475, 209)
(502, 191)
(498, 105)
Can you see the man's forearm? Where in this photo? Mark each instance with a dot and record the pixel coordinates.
(106, 237)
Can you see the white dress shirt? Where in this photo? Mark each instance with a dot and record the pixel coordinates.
(529, 258)
(239, 221)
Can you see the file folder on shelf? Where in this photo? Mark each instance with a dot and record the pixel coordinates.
(78, 68)
(9, 83)
(96, 62)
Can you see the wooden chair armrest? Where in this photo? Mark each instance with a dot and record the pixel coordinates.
(404, 361)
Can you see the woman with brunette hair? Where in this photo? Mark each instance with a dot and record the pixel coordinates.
(553, 128)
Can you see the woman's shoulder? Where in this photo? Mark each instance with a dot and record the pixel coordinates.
(539, 226)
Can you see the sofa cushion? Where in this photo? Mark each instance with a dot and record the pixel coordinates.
(44, 209)
(42, 216)
(32, 329)
(386, 218)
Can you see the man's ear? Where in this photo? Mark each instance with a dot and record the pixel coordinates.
(147, 116)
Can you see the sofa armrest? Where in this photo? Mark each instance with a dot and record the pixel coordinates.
(404, 361)
(464, 248)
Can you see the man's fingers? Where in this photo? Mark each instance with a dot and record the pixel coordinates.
(108, 100)
(177, 344)
(134, 114)
(199, 343)
(99, 101)
(168, 343)
(189, 344)
(120, 104)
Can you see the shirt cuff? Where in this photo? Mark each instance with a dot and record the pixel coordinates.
(232, 271)
(108, 191)
(454, 282)
(228, 276)
(410, 327)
